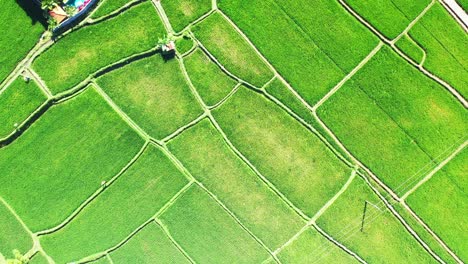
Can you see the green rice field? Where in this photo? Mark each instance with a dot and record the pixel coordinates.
(233, 131)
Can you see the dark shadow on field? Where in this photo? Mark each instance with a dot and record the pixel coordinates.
(34, 11)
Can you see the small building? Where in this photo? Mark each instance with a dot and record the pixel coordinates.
(168, 48)
(58, 14)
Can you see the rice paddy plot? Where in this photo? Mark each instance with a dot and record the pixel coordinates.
(204, 153)
(444, 42)
(389, 17)
(233, 52)
(184, 44)
(19, 100)
(62, 159)
(108, 6)
(285, 152)
(134, 198)
(279, 90)
(157, 97)
(208, 233)
(307, 248)
(441, 203)
(430, 240)
(13, 236)
(209, 80)
(149, 245)
(291, 52)
(183, 12)
(422, 108)
(374, 138)
(81, 53)
(38, 259)
(22, 25)
(409, 47)
(374, 234)
(331, 29)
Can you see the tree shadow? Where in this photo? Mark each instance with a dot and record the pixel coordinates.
(34, 11)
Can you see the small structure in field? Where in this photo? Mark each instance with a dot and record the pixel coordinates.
(168, 47)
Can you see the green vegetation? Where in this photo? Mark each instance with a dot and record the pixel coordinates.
(294, 160)
(411, 49)
(392, 155)
(203, 152)
(463, 4)
(38, 259)
(19, 100)
(184, 44)
(441, 202)
(225, 43)
(123, 165)
(108, 6)
(278, 90)
(85, 51)
(424, 234)
(12, 236)
(311, 16)
(307, 248)
(211, 83)
(408, 111)
(62, 159)
(445, 44)
(389, 17)
(182, 12)
(207, 233)
(383, 239)
(134, 198)
(20, 32)
(103, 260)
(308, 51)
(157, 97)
(148, 246)
(422, 108)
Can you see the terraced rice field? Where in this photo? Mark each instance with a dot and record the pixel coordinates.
(319, 131)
